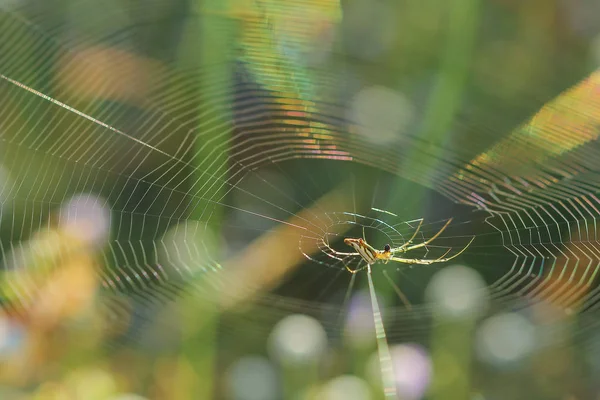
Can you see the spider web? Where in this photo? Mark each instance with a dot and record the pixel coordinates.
(222, 204)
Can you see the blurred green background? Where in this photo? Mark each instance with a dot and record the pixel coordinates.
(177, 178)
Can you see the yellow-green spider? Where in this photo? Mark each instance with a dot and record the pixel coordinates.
(371, 255)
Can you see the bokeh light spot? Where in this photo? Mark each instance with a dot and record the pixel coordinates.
(297, 339)
(187, 247)
(11, 337)
(505, 338)
(86, 217)
(412, 370)
(345, 387)
(252, 378)
(458, 291)
(381, 115)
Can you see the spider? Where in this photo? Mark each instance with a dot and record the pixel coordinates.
(371, 255)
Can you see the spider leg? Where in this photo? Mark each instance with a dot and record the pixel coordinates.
(423, 261)
(457, 254)
(405, 245)
(431, 239)
(359, 268)
(437, 260)
(339, 253)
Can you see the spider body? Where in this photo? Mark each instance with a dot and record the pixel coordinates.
(371, 255)
(368, 253)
